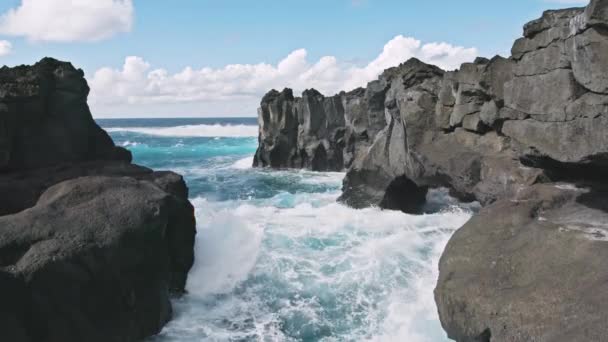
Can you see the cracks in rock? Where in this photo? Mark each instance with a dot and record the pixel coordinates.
(532, 117)
(521, 54)
(592, 170)
(389, 135)
(543, 73)
(409, 165)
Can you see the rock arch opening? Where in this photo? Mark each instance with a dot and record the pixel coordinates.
(403, 194)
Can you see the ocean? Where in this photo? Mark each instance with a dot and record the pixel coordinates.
(277, 258)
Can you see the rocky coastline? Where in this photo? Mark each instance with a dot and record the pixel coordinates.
(526, 136)
(91, 245)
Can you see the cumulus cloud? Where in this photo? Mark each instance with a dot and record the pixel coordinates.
(68, 20)
(137, 83)
(5, 47)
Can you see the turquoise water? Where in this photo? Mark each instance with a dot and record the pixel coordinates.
(277, 259)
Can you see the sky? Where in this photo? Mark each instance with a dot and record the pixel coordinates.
(214, 58)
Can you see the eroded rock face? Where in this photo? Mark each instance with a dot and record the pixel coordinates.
(317, 132)
(503, 131)
(91, 246)
(480, 130)
(306, 132)
(529, 268)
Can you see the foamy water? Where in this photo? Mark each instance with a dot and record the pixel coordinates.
(312, 271)
(278, 259)
(216, 130)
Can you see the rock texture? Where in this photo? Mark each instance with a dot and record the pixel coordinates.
(502, 131)
(485, 131)
(45, 119)
(91, 246)
(530, 268)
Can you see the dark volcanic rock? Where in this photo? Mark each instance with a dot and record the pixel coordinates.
(91, 246)
(45, 119)
(479, 130)
(96, 258)
(530, 268)
(306, 132)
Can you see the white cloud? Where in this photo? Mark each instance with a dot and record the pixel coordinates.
(137, 85)
(68, 20)
(5, 47)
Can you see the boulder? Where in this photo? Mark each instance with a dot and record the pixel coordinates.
(95, 260)
(529, 268)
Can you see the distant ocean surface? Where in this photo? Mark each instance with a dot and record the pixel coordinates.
(277, 259)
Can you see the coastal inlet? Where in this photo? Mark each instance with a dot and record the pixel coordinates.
(277, 258)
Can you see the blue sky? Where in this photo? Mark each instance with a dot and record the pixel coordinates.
(179, 50)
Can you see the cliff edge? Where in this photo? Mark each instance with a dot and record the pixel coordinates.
(526, 136)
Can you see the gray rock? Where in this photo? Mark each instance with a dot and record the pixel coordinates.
(580, 141)
(529, 268)
(544, 95)
(596, 13)
(473, 123)
(589, 50)
(489, 113)
(407, 123)
(552, 26)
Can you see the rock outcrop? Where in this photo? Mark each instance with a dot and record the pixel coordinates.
(45, 119)
(91, 246)
(529, 268)
(485, 131)
(501, 131)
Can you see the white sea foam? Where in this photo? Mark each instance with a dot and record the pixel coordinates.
(226, 251)
(217, 130)
(316, 271)
(243, 164)
(129, 144)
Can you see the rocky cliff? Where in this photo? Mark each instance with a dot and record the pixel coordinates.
(502, 131)
(91, 246)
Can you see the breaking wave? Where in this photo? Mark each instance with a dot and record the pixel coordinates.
(278, 259)
(216, 130)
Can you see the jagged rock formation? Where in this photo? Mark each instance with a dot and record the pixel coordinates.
(491, 131)
(317, 132)
(530, 267)
(45, 119)
(91, 246)
(485, 131)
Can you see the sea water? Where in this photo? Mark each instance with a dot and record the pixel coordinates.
(277, 258)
